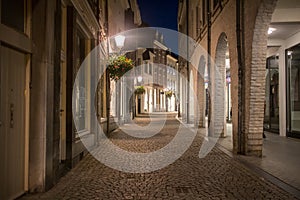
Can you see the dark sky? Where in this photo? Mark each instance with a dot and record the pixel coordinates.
(159, 13)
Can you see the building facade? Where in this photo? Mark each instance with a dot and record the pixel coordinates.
(54, 37)
(43, 44)
(238, 37)
(123, 16)
(172, 76)
(156, 72)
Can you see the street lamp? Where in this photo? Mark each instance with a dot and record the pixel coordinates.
(120, 40)
(139, 79)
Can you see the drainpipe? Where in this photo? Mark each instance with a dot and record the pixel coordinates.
(187, 64)
(107, 74)
(96, 79)
(208, 58)
(178, 87)
(241, 69)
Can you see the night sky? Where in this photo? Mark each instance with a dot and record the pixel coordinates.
(159, 13)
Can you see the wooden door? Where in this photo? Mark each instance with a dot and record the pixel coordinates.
(12, 125)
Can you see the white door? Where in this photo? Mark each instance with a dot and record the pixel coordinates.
(12, 122)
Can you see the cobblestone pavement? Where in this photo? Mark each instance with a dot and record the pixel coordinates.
(217, 176)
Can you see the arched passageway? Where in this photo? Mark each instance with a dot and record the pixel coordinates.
(219, 87)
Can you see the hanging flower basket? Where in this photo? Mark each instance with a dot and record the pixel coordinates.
(169, 94)
(139, 90)
(118, 65)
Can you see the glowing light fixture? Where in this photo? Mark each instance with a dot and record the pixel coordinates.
(120, 40)
(271, 30)
(140, 79)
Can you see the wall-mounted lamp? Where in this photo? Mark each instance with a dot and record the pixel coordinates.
(271, 30)
(120, 40)
(139, 79)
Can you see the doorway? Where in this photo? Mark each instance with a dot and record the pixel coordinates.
(271, 119)
(13, 107)
(139, 105)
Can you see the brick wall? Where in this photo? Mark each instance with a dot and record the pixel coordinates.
(258, 17)
(225, 25)
(218, 85)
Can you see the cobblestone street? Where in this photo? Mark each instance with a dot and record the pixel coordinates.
(217, 176)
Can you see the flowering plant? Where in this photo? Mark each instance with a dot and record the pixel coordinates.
(169, 94)
(139, 90)
(118, 65)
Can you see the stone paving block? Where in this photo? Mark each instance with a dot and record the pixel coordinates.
(217, 176)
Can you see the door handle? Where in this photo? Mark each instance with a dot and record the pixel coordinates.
(11, 115)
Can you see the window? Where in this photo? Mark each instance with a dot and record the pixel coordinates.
(82, 87)
(139, 70)
(150, 68)
(193, 27)
(93, 4)
(198, 21)
(216, 3)
(13, 14)
(293, 88)
(204, 12)
(146, 68)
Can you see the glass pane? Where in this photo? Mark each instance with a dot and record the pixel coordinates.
(267, 102)
(12, 14)
(81, 88)
(271, 107)
(274, 99)
(293, 64)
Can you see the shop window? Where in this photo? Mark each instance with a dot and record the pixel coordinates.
(13, 14)
(293, 88)
(82, 87)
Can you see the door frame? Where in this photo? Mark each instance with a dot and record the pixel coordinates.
(26, 117)
(21, 42)
(289, 131)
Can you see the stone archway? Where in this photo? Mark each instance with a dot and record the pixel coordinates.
(201, 93)
(218, 77)
(255, 79)
(191, 98)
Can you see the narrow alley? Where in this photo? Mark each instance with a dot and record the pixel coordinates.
(217, 176)
(149, 99)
